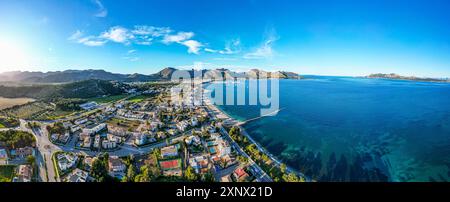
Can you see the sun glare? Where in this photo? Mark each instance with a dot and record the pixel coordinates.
(12, 56)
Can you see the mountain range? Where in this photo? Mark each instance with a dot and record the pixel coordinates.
(67, 76)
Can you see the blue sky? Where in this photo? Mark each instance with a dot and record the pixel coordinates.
(308, 37)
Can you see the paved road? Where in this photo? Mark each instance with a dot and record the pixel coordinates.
(45, 149)
(262, 176)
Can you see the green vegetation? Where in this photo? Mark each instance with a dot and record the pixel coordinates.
(56, 128)
(150, 171)
(55, 164)
(139, 98)
(108, 99)
(35, 111)
(31, 160)
(123, 123)
(190, 174)
(8, 122)
(81, 89)
(99, 169)
(17, 139)
(7, 172)
(278, 173)
(33, 125)
(69, 104)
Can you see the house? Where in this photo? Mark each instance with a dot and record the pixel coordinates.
(97, 141)
(106, 144)
(77, 175)
(172, 132)
(182, 125)
(60, 138)
(115, 164)
(193, 140)
(169, 151)
(240, 174)
(140, 139)
(199, 163)
(194, 121)
(66, 161)
(87, 142)
(96, 129)
(22, 152)
(67, 124)
(161, 135)
(75, 128)
(64, 138)
(89, 106)
(117, 131)
(81, 121)
(226, 178)
(88, 162)
(24, 173)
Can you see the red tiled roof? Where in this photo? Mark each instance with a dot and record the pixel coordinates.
(169, 164)
(240, 172)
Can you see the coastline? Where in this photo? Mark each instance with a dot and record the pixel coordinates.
(227, 119)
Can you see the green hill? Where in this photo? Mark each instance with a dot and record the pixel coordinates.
(81, 89)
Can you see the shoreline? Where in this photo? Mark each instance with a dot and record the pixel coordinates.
(219, 114)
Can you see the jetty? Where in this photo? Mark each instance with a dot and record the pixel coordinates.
(240, 123)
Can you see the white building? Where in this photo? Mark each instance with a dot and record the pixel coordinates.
(96, 129)
(89, 106)
(140, 139)
(77, 175)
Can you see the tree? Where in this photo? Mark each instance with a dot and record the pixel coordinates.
(242, 159)
(31, 160)
(131, 173)
(291, 177)
(283, 168)
(208, 177)
(99, 168)
(190, 174)
(144, 176)
(17, 139)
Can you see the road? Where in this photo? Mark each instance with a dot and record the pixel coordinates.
(43, 153)
(262, 176)
(45, 149)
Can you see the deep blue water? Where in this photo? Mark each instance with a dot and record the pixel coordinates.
(356, 129)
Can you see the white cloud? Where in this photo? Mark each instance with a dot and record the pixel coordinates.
(178, 38)
(102, 11)
(210, 50)
(79, 37)
(76, 35)
(132, 59)
(141, 35)
(131, 51)
(90, 41)
(193, 46)
(231, 47)
(151, 30)
(118, 34)
(266, 49)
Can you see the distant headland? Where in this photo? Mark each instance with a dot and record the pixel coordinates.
(410, 78)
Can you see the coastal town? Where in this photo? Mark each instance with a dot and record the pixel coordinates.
(140, 136)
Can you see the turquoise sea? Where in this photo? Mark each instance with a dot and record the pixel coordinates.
(357, 129)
